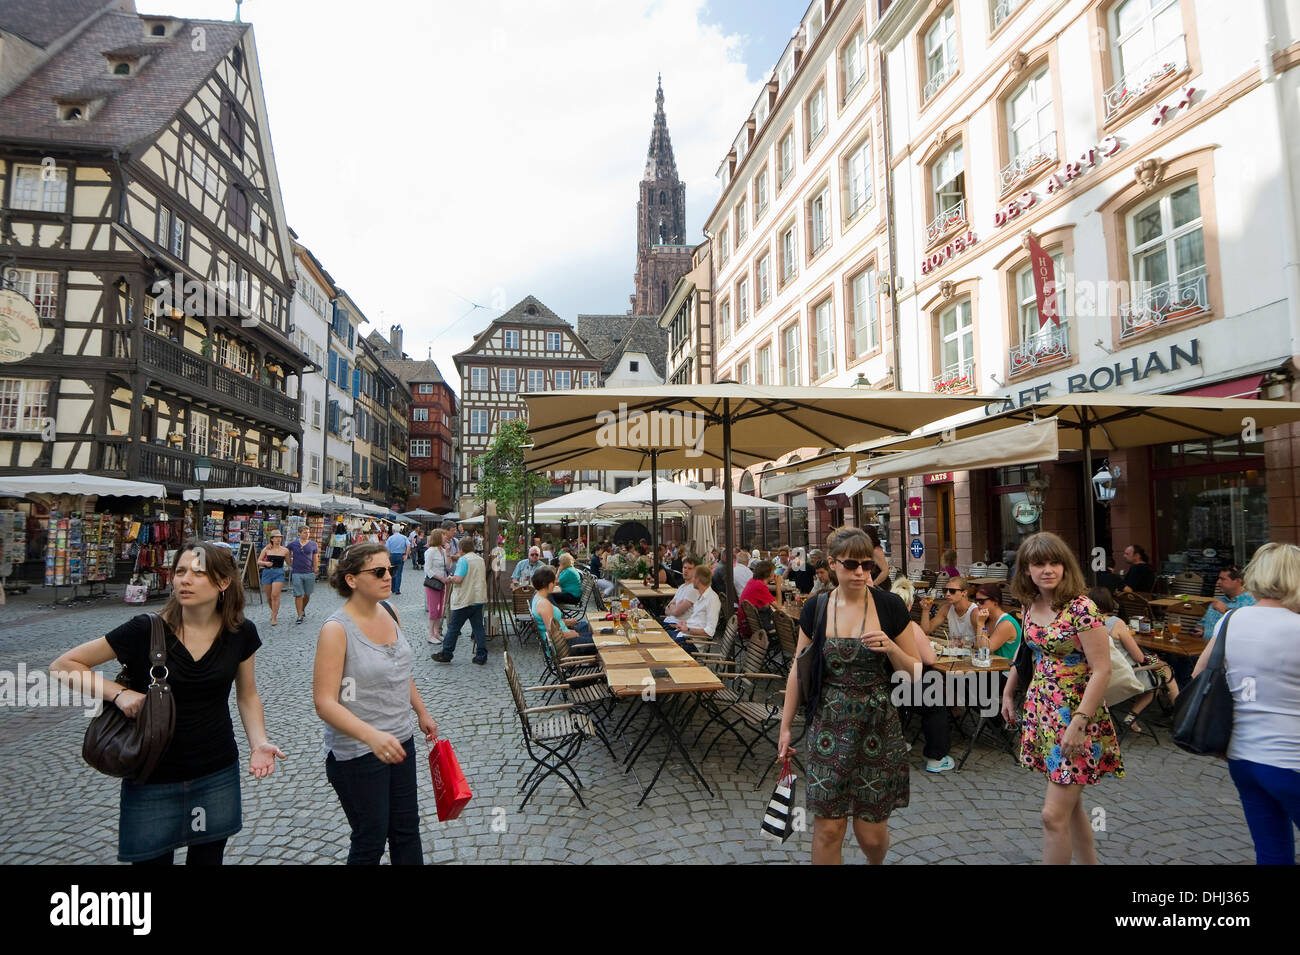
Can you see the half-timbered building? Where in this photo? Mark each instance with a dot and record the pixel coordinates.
(142, 217)
(529, 348)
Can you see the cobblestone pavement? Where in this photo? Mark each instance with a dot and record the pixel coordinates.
(1170, 808)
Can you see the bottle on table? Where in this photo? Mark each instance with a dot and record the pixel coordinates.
(981, 654)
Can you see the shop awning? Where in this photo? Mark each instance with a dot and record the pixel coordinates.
(1247, 387)
(842, 494)
(246, 496)
(77, 484)
(1024, 444)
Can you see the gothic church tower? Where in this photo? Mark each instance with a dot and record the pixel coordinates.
(662, 255)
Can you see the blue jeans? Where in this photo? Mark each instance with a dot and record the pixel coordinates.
(398, 565)
(1270, 798)
(379, 800)
(585, 640)
(474, 614)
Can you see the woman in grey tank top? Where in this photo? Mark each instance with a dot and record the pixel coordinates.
(364, 692)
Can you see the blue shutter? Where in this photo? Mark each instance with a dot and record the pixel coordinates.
(333, 363)
(356, 382)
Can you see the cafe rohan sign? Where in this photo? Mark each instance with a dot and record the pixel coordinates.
(1114, 375)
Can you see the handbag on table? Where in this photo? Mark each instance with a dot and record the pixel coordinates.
(119, 745)
(1203, 710)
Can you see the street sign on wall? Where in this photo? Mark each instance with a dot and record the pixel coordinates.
(917, 549)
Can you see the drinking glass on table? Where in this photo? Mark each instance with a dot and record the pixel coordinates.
(624, 603)
(1175, 628)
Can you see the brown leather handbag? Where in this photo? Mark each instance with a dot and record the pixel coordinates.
(118, 745)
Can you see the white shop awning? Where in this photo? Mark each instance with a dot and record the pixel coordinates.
(1024, 444)
(77, 484)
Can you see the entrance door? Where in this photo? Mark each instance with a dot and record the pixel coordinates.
(947, 519)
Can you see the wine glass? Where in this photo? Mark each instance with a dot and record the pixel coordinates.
(1175, 628)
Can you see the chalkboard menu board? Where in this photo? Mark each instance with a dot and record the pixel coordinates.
(1204, 561)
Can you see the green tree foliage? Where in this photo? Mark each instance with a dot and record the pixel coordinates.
(503, 478)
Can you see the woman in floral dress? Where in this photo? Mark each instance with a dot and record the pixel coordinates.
(857, 757)
(1067, 731)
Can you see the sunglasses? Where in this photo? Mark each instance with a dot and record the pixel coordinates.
(952, 590)
(852, 565)
(379, 572)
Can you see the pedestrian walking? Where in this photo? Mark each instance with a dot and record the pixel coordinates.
(399, 546)
(437, 566)
(210, 645)
(1262, 656)
(271, 560)
(1067, 733)
(338, 544)
(305, 564)
(857, 756)
(364, 692)
(469, 593)
(417, 548)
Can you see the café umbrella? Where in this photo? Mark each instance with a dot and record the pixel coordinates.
(699, 426)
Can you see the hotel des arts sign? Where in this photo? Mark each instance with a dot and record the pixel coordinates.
(1159, 361)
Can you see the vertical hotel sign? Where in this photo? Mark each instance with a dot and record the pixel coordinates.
(20, 329)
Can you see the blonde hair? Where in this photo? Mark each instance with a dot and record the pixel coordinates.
(1274, 574)
(435, 537)
(903, 588)
(566, 560)
(1046, 548)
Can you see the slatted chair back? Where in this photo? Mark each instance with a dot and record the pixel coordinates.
(752, 661)
(521, 600)
(752, 620)
(587, 601)
(1189, 583)
(517, 692)
(787, 631)
(1186, 618)
(997, 569)
(728, 639)
(1132, 605)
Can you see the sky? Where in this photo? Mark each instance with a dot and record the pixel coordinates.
(444, 160)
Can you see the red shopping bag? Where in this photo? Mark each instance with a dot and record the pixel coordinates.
(450, 788)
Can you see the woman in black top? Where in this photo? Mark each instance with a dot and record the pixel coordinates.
(857, 756)
(192, 798)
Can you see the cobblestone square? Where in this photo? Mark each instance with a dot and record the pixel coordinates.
(1171, 808)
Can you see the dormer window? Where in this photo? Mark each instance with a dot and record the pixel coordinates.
(122, 69)
(159, 28)
(76, 109)
(71, 114)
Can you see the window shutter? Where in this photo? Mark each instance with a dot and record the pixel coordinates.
(333, 365)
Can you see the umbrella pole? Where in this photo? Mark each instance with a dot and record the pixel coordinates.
(729, 556)
(1089, 507)
(654, 516)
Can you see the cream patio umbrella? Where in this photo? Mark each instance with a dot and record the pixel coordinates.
(693, 426)
(1089, 421)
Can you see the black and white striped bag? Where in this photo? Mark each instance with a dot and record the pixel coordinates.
(778, 821)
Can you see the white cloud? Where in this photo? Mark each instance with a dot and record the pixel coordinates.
(488, 149)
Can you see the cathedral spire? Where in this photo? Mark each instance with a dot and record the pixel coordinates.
(659, 162)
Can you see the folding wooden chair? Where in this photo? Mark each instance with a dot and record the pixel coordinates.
(525, 625)
(552, 743)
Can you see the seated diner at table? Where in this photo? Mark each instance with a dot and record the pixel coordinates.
(957, 610)
(568, 588)
(758, 593)
(1235, 595)
(1003, 628)
(1159, 675)
(679, 608)
(544, 611)
(703, 618)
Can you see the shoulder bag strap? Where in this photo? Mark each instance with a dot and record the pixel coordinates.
(385, 605)
(157, 644)
(1217, 661)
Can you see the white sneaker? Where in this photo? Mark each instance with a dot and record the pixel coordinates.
(436, 641)
(939, 765)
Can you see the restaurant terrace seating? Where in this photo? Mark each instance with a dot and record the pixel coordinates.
(553, 735)
(525, 625)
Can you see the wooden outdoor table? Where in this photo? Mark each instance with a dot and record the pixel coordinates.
(980, 581)
(1186, 646)
(637, 589)
(997, 664)
(1171, 602)
(627, 670)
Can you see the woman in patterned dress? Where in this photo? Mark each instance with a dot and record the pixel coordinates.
(1067, 730)
(857, 757)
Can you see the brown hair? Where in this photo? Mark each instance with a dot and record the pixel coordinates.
(1046, 548)
(542, 576)
(763, 569)
(1104, 599)
(849, 542)
(702, 574)
(353, 559)
(467, 545)
(219, 565)
(991, 591)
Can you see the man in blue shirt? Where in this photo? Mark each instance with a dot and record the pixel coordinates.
(524, 570)
(1234, 595)
(399, 548)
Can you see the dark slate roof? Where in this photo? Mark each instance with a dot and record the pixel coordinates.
(411, 372)
(41, 22)
(609, 336)
(136, 108)
(540, 314)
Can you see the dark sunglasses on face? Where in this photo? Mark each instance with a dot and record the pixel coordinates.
(952, 590)
(852, 565)
(379, 572)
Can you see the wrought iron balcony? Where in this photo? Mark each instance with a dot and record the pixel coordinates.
(172, 466)
(1041, 152)
(945, 220)
(955, 378)
(195, 374)
(1169, 60)
(1003, 9)
(1047, 345)
(944, 74)
(1160, 304)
